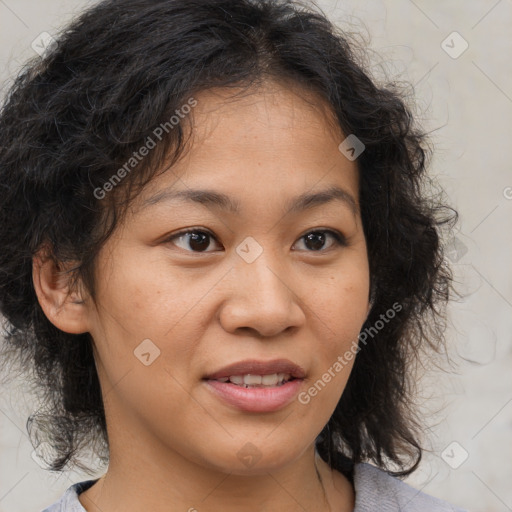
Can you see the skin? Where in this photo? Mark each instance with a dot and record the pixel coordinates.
(172, 441)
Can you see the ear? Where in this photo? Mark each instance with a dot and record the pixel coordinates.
(64, 308)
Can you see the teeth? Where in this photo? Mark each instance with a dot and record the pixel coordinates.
(249, 380)
(270, 380)
(237, 379)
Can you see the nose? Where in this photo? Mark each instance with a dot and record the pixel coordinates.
(261, 299)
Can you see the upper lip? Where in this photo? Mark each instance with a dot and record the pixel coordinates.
(255, 367)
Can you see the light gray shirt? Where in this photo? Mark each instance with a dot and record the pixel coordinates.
(375, 491)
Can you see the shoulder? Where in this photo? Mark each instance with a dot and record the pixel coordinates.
(377, 490)
(69, 500)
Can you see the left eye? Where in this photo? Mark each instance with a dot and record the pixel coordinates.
(196, 240)
(315, 240)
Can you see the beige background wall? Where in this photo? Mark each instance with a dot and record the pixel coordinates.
(465, 99)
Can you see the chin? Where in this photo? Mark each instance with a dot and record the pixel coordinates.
(248, 458)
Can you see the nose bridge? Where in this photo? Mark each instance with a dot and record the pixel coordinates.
(262, 272)
(260, 296)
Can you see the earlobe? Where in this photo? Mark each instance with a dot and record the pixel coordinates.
(64, 308)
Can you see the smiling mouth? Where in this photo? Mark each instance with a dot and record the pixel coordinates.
(257, 381)
(257, 386)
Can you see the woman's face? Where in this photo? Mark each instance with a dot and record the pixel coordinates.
(281, 284)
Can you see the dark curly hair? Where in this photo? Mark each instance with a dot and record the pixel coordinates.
(75, 116)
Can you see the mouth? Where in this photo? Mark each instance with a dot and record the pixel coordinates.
(257, 381)
(257, 386)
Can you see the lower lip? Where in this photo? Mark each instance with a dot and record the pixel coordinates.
(256, 399)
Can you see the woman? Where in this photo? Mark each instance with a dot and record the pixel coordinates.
(220, 261)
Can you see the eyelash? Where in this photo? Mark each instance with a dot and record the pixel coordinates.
(339, 239)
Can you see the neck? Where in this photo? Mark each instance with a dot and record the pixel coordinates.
(161, 481)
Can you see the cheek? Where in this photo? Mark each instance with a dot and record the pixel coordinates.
(342, 305)
(148, 325)
(339, 311)
(138, 298)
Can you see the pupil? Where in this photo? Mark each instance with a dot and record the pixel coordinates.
(318, 240)
(199, 239)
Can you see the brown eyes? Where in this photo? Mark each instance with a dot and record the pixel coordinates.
(199, 240)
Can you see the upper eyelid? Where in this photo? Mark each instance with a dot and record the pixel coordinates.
(339, 236)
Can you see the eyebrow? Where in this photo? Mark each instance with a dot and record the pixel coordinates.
(224, 202)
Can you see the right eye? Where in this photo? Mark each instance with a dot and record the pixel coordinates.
(192, 240)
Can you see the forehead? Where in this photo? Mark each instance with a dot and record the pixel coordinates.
(278, 110)
(249, 141)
